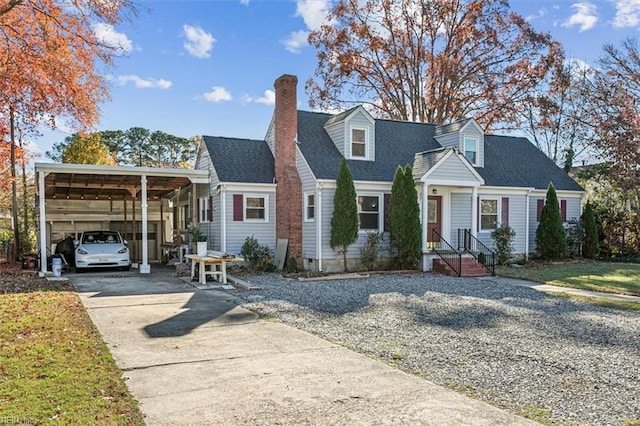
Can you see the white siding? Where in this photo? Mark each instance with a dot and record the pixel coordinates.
(237, 232)
(517, 220)
(337, 134)
(452, 169)
(473, 132)
(210, 229)
(354, 249)
(308, 228)
(270, 137)
(360, 120)
(460, 215)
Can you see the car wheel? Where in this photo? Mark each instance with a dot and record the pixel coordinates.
(79, 270)
(125, 268)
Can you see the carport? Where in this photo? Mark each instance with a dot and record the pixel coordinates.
(102, 187)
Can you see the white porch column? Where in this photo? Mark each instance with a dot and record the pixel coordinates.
(318, 217)
(223, 219)
(425, 214)
(474, 211)
(43, 224)
(144, 203)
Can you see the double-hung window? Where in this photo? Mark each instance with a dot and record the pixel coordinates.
(358, 142)
(309, 207)
(369, 212)
(471, 149)
(255, 208)
(489, 214)
(203, 208)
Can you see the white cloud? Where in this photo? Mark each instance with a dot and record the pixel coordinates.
(296, 41)
(218, 94)
(268, 98)
(106, 34)
(314, 14)
(143, 83)
(244, 2)
(627, 13)
(199, 42)
(585, 16)
(541, 14)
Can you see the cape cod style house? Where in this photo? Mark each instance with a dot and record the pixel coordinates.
(283, 187)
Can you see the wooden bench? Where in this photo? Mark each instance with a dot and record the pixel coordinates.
(217, 266)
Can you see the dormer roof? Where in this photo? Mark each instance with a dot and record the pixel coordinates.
(457, 126)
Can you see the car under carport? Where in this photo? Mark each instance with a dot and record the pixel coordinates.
(72, 198)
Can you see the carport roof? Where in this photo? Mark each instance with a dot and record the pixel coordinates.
(92, 182)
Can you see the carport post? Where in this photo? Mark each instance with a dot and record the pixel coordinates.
(43, 224)
(144, 268)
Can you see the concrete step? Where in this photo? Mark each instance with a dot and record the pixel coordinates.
(470, 268)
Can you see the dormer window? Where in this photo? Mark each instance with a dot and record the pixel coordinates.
(471, 149)
(358, 143)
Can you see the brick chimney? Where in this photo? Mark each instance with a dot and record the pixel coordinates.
(289, 186)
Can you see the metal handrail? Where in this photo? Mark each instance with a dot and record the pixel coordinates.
(449, 255)
(483, 254)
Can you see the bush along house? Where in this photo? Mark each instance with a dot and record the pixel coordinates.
(468, 183)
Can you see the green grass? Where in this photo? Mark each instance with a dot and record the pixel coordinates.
(620, 278)
(605, 303)
(54, 367)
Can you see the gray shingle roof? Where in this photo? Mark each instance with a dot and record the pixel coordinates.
(450, 128)
(241, 160)
(514, 161)
(424, 161)
(396, 144)
(509, 161)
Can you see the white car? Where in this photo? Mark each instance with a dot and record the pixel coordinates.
(102, 249)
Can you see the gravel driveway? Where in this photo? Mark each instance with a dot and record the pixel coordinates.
(541, 356)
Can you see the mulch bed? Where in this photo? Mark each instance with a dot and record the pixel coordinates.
(14, 279)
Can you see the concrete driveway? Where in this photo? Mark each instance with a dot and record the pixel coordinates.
(194, 356)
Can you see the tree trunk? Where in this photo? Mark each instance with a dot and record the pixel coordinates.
(14, 188)
(25, 193)
(344, 258)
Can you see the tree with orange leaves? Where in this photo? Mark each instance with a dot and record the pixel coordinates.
(432, 61)
(50, 64)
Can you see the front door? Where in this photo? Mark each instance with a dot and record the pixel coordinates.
(434, 221)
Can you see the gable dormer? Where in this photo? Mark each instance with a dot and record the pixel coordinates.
(353, 133)
(466, 135)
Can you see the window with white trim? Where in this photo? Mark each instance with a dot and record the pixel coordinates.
(358, 142)
(255, 208)
(203, 208)
(471, 149)
(369, 212)
(489, 213)
(309, 206)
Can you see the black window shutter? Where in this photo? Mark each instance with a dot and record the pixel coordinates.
(210, 218)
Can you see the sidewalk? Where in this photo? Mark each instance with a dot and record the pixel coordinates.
(556, 289)
(193, 356)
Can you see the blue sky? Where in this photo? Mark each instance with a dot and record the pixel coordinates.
(207, 67)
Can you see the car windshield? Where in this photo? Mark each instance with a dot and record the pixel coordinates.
(100, 238)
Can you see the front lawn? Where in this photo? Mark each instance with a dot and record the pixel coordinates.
(54, 367)
(620, 278)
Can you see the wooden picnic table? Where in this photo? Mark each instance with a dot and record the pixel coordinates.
(217, 266)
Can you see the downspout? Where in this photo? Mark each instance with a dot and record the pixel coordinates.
(223, 219)
(528, 227)
(319, 226)
(474, 211)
